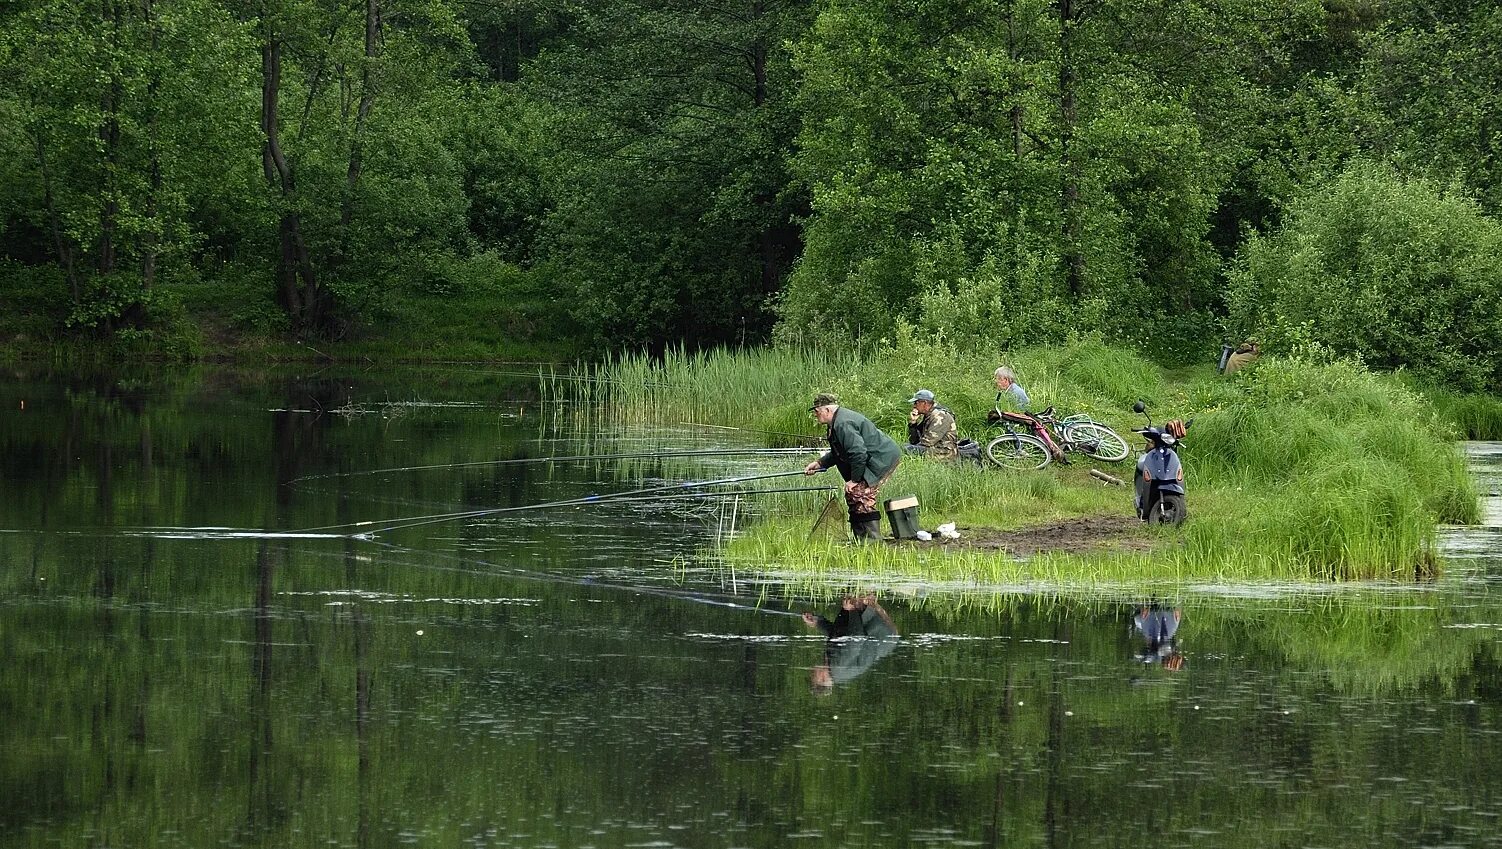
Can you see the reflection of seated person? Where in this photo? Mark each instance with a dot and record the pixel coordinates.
(1157, 627)
(861, 634)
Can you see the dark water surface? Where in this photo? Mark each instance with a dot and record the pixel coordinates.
(174, 675)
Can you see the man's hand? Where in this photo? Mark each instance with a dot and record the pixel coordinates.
(851, 485)
(914, 417)
(813, 468)
(810, 620)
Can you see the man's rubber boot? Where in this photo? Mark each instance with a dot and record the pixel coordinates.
(866, 527)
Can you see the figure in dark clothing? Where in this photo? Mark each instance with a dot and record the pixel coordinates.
(860, 634)
(865, 456)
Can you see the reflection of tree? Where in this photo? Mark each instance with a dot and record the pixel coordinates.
(260, 797)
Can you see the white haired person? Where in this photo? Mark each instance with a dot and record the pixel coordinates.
(1006, 384)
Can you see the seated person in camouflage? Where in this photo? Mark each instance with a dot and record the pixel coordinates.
(931, 430)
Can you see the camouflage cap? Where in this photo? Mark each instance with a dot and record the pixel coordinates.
(825, 399)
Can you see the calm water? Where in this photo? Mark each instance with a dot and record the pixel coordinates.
(175, 675)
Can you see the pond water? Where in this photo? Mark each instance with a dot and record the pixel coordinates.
(194, 654)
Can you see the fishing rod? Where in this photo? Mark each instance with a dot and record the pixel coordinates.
(415, 521)
(634, 455)
(754, 430)
(728, 494)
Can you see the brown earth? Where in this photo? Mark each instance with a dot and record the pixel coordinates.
(1083, 535)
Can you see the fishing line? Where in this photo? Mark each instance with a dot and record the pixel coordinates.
(415, 521)
(814, 437)
(698, 452)
(554, 578)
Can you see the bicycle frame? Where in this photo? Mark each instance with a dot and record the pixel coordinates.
(1039, 425)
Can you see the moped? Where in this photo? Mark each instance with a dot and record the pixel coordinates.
(1159, 490)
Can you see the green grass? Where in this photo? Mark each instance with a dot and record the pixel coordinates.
(1297, 469)
(1472, 416)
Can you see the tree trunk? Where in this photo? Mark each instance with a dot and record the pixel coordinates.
(1069, 196)
(59, 238)
(152, 240)
(1015, 113)
(297, 289)
(109, 139)
(362, 113)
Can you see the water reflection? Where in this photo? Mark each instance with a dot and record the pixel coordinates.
(861, 633)
(573, 679)
(1158, 627)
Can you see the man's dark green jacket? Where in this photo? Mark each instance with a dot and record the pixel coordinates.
(859, 449)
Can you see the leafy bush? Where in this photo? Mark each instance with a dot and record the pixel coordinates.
(1395, 270)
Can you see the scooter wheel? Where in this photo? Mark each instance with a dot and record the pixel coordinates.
(1169, 510)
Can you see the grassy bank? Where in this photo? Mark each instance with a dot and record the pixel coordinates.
(1297, 469)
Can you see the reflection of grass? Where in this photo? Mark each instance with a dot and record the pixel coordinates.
(1297, 468)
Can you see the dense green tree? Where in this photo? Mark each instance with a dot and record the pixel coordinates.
(1017, 169)
(1400, 271)
(122, 118)
(674, 217)
(1431, 79)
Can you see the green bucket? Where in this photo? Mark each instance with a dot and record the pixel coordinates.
(902, 513)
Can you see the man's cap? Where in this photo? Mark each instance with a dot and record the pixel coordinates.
(921, 395)
(824, 399)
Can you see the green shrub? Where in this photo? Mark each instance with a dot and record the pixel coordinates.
(1397, 271)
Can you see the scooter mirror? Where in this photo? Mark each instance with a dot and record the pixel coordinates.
(1139, 407)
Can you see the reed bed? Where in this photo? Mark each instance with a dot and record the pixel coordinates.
(1299, 469)
(1473, 416)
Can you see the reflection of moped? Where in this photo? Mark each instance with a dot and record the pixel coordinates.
(1160, 476)
(1158, 627)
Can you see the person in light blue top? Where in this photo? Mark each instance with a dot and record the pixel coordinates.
(1006, 384)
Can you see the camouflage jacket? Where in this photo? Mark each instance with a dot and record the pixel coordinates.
(937, 432)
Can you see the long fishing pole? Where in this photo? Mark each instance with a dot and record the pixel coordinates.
(734, 493)
(415, 521)
(634, 455)
(754, 430)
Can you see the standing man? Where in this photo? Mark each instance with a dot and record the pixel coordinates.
(931, 430)
(865, 456)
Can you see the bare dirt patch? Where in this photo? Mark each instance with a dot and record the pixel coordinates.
(1082, 535)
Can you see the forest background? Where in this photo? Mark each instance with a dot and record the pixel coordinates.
(494, 179)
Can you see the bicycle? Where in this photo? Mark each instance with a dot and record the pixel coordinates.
(1051, 439)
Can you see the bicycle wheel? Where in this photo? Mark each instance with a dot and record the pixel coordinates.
(1096, 440)
(1017, 451)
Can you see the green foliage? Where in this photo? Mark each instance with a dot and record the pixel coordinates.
(1397, 271)
(33, 310)
(1473, 416)
(957, 186)
(674, 208)
(1430, 77)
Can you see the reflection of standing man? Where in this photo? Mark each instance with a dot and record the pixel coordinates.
(861, 634)
(865, 456)
(1158, 627)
